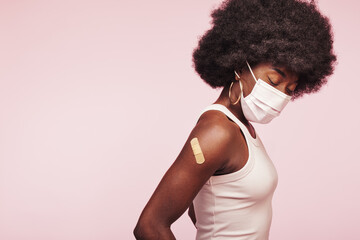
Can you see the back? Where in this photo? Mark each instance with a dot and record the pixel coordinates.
(238, 205)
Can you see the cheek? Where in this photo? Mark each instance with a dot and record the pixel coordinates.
(247, 87)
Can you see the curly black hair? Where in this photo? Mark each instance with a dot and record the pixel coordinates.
(291, 33)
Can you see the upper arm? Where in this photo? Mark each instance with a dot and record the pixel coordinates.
(185, 177)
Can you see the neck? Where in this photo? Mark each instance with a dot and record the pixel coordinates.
(235, 109)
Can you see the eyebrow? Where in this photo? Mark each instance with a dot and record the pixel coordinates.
(280, 72)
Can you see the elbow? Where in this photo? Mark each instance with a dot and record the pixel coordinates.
(144, 231)
(150, 229)
(139, 232)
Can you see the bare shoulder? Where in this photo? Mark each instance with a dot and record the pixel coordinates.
(216, 135)
(217, 123)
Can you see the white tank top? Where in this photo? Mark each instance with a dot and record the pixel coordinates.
(237, 205)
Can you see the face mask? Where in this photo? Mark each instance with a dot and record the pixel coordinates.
(264, 103)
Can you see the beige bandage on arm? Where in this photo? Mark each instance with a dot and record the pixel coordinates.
(199, 156)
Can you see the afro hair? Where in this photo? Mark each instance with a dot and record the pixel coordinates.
(291, 33)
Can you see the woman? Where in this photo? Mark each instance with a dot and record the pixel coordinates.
(263, 53)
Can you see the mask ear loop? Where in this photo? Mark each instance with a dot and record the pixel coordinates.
(239, 81)
(251, 71)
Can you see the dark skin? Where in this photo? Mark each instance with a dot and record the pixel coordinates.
(224, 148)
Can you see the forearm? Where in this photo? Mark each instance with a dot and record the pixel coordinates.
(191, 214)
(193, 219)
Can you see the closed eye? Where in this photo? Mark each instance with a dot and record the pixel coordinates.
(271, 82)
(289, 92)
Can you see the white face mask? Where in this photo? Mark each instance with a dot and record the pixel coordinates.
(264, 103)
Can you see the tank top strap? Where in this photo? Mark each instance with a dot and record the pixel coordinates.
(229, 114)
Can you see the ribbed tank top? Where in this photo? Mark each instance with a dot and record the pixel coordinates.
(237, 205)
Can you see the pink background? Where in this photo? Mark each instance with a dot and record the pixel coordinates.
(98, 97)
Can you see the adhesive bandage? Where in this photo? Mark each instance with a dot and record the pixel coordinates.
(199, 156)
